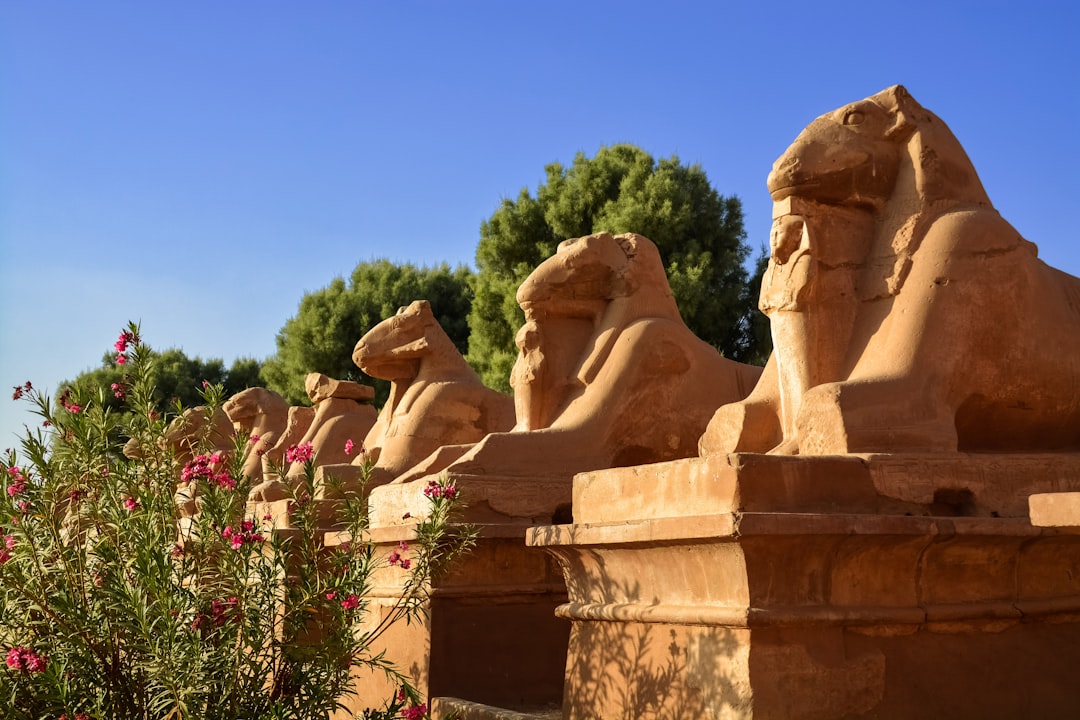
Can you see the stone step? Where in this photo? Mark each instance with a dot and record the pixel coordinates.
(467, 710)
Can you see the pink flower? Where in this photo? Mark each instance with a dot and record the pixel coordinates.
(394, 558)
(121, 359)
(118, 390)
(21, 390)
(434, 490)
(4, 556)
(130, 504)
(205, 385)
(253, 439)
(403, 546)
(245, 535)
(416, 712)
(23, 505)
(352, 601)
(299, 453)
(24, 658)
(348, 446)
(405, 563)
(9, 541)
(331, 595)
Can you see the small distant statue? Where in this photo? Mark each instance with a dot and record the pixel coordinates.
(906, 314)
(435, 400)
(608, 374)
(262, 416)
(340, 413)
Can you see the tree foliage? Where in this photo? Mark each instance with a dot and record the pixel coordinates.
(329, 322)
(176, 377)
(699, 234)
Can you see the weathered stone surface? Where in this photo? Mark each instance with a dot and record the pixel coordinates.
(812, 588)
(1056, 509)
(196, 431)
(321, 387)
(257, 412)
(436, 399)
(490, 631)
(608, 376)
(906, 314)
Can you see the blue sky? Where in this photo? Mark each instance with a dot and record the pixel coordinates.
(199, 166)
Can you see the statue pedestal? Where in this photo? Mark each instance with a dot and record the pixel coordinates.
(820, 587)
(491, 633)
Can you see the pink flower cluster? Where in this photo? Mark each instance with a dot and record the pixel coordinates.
(118, 391)
(17, 483)
(434, 490)
(65, 401)
(130, 504)
(395, 557)
(220, 610)
(23, 658)
(210, 468)
(351, 602)
(299, 453)
(414, 712)
(21, 390)
(126, 338)
(246, 534)
(348, 446)
(9, 544)
(78, 716)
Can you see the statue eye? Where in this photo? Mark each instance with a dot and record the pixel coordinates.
(854, 117)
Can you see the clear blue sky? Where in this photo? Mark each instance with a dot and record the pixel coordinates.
(198, 166)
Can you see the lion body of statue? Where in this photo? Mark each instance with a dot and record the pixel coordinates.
(907, 315)
(436, 398)
(608, 374)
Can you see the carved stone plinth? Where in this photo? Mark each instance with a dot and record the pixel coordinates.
(491, 634)
(876, 586)
(489, 500)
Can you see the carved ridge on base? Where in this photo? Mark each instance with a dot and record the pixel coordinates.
(799, 616)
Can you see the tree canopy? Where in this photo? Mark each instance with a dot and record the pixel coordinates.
(329, 322)
(698, 232)
(176, 376)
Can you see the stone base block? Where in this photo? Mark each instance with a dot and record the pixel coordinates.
(820, 588)
(490, 633)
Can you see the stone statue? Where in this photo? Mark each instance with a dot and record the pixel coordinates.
(338, 415)
(608, 374)
(906, 314)
(261, 413)
(296, 427)
(196, 432)
(436, 399)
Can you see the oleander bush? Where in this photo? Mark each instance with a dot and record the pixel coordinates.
(113, 604)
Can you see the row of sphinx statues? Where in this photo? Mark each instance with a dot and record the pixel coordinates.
(907, 316)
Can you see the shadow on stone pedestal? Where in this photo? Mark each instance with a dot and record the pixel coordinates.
(820, 587)
(491, 632)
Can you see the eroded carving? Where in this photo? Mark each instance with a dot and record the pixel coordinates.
(436, 399)
(907, 315)
(257, 413)
(608, 374)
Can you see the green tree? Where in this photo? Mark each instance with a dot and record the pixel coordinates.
(323, 333)
(699, 234)
(177, 377)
